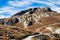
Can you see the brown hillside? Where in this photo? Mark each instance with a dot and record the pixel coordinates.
(36, 23)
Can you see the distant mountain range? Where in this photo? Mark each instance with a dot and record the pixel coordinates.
(42, 22)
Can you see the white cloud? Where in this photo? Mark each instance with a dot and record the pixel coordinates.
(49, 3)
(18, 3)
(8, 9)
(55, 8)
(52, 4)
(3, 16)
(12, 7)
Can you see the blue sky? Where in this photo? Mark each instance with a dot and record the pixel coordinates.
(10, 7)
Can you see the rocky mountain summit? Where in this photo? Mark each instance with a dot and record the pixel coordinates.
(31, 24)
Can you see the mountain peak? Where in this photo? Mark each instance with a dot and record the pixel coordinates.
(32, 10)
(37, 23)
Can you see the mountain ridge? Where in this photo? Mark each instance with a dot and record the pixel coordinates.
(34, 21)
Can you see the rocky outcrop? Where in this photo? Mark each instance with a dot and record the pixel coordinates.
(12, 21)
(31, 24)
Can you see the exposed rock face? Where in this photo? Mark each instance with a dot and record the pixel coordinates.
(12, 21)
(37, 23)
(2, 21)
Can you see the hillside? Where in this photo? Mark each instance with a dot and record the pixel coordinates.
(31, 24)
